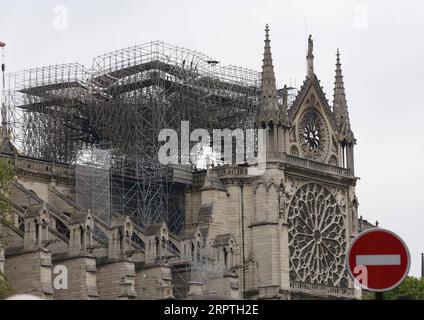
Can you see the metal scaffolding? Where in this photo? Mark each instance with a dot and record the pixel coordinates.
(64, 112)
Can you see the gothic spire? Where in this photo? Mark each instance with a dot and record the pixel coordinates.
(340, 111)
(268, 86)
(268, 103)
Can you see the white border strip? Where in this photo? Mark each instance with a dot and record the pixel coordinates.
(378, 260)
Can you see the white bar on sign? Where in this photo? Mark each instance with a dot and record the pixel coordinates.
(378, 260)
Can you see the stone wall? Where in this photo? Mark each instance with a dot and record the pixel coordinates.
(30, 273)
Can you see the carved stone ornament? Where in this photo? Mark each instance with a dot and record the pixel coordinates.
(313, 135)
(317, 237)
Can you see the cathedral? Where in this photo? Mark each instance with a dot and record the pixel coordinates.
(281, 234)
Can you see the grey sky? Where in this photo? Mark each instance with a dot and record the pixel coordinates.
(382, 60)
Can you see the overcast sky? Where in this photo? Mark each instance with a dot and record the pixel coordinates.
(382, 50)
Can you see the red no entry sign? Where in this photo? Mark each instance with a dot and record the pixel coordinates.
(378, 260)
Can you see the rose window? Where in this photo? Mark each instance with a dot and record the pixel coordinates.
(317, 237)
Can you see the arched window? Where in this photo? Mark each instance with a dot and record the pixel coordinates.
(37, 231)
(157, 246)
(231, 258)
(90, 237)
(44, 230)
(198, 251)
(344, 153)
(225, 258)
(163, 242)
(82, 237)
(193, 249)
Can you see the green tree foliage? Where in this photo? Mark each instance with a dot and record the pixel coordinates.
(411, 288)
(5, 289)
(6, 176)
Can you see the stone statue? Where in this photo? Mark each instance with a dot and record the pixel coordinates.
(310, 46)
(282, 202)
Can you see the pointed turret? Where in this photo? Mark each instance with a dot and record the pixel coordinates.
(269, 111)
(341, 116)
(268, 86)
(340, 111)
(339, 101)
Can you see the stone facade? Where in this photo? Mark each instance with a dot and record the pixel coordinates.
(282, 234)
(291, 224)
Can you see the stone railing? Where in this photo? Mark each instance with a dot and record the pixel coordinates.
(314, 165)
(231, 171)
(318, 288)
(227, 171)
(44, 170)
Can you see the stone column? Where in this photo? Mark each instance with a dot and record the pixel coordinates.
(154, 282)
(266, 244)
(231, 286)
(350, 159)
(81, 279)
(285, 254)
(116, 280)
